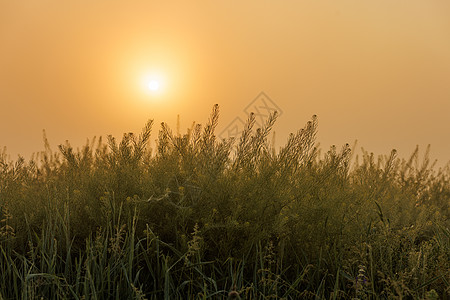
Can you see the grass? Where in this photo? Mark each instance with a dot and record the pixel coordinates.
(203, 218)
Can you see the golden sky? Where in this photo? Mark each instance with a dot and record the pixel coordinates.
(373, 71)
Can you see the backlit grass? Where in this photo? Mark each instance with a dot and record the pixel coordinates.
(203, 218)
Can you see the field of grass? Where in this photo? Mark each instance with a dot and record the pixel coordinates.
(203, 218)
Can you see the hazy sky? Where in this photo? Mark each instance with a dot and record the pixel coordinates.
(375, 71)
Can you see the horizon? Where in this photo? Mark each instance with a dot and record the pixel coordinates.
(372, 72)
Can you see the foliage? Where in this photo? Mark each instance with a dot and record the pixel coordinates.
(200, 217)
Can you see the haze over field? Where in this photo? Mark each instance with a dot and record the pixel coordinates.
(375, 71)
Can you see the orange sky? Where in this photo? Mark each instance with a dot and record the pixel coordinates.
(375, 71)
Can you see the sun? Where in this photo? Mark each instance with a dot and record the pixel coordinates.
(153, 85)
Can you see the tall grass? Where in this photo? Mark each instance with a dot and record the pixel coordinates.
(199, 218)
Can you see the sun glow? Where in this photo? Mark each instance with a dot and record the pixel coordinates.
(156, 78)
(153, 85)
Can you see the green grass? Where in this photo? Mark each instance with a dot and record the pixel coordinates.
(199, 218)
